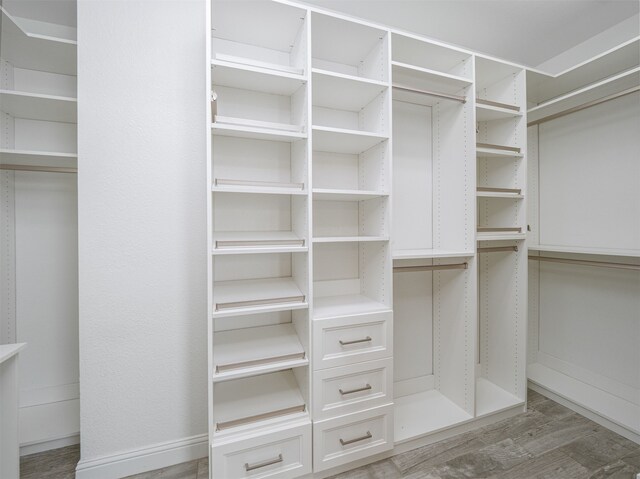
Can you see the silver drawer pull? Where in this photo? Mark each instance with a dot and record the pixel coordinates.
(355, 341)
(251, 467)
(366, 388)
(351, 441)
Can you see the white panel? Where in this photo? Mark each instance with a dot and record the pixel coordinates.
(335, 170)
(335, 261)
(45, 136)
(247, 212)
(589, 173)
(412, 177)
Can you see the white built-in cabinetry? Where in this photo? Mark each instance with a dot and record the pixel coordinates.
(350, 310)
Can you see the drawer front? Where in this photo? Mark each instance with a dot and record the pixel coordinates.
(353, 388)
(283, 454)
(352, 339)
(348, 438)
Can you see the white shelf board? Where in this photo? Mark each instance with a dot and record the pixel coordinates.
(500, 236)
(493, 153)
(609, 86)
(255, 78)
(8, 351)
(36, 106)
(243, 131)
(490, 113)
(629, 253)
(613, 408)
(256, 344)
(430, 253)
(491, 398)
(259, 190)
(255, 396)
(344, 92)
(40, 158)
(423, 413)
(326, 194)
(491, 194)
(345, 305)
(349, 239)
(255, 290)
(340, 140)
(36, 51)
(256, 236)
(425, 79)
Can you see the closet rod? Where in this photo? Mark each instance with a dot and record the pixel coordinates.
(584, 106)
(602, 264)
(46, 169)
(436, 94)
(430, 267)
(496, 249)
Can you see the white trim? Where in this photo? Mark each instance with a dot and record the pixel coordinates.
(144, 459)
(49, 444)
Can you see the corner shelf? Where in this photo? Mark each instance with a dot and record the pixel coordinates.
(257, 242)
(341, 140)
(36, 106)
(345, 305)
(246, 76)
(251, 351)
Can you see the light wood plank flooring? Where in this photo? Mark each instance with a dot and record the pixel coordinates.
(549, 441)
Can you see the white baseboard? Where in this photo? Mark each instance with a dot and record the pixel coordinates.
(41, 446)
(145, 459)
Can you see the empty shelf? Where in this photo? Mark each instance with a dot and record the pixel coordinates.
(250, 62)
(32, 157)
(489, 111)
(344, 305)
(485, 192)
(490, 146)
(37, 106)
(257, 400)
(424, 413)
(257, 132)
(255, 78)
(585, 250)
(340, 140)
(247, 242)
(499, 233)
(491, 398)
(346, 195)
(233, 298)
(344, 92)
(430, 253)
(426, 79)
(490, 152)
(251, 351)
(221, 185)
(349, 239)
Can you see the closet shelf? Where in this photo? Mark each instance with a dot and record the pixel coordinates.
(31, 50)
(36, 106)
(255, 78)
(485, 192)
(486, 233)
(256, 242)
(349, 239)
(430, 253)
(490, 112)
(258, 401)
(411, 422)
(341, 140)
(257, 132)
(345, 305)
(241, 297)
(485, 152)
(251, 63)
(327, 194)
(252, 351)
(491, 398)
(258, 187)
(344, 92)
(33, 157)
(630, 253)
(427, 79)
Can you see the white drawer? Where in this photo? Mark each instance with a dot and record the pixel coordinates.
(284, 453)
(348, 438)
(352, 339)
(353, 388)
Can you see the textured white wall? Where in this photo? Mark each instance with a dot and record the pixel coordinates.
(142, 238)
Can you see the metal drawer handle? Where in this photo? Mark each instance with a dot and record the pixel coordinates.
(366, 388)
(250, 467)
(355, 341)
(351, 441)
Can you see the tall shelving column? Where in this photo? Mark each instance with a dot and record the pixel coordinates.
(502, 253)
(351, 305)
(259, 233)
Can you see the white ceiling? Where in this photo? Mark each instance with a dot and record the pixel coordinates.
(528, 32)
(62, 12)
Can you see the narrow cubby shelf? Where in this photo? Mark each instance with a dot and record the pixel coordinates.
(36, 106)
(484, 152)
(349, 239)
(488, 192)
(342, 140)
(242, 131)
(248, 63)
(256, 242)
(254, 402)
(410, 419)
(491, 398)
(258, 350)
(328, 194)
(240, 297)
(413, 76)
(346, 304)
(257, 187)
(430, 254)
(344, 92)
(256, 78)
(495, 234)
(485, 112)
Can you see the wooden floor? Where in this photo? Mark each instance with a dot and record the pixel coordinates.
(549, 441)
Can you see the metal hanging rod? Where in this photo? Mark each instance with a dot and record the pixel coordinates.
(602, 264)
(584, 106)
(436, 94)
(44, 169)
(497, 249)
(430, 267)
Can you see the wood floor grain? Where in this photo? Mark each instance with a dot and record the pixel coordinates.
(549, 441)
